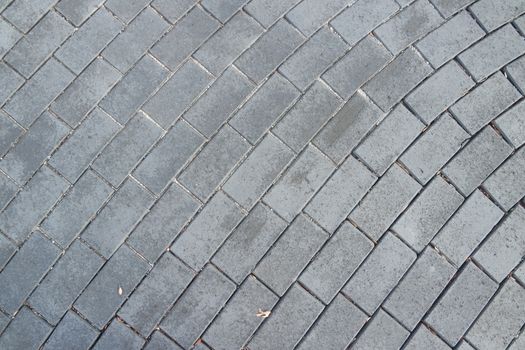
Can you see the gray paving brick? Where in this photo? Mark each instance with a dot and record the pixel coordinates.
(382, 332)
(212, 165)
(72, 332)
(290, 320)
(8, 190)
(341, 193)
(468, 227)
(449, 7)
(199, 345)
(119, 337)
(4, 320)
(127, 148)
(163, 285)
(310, 15)
(379, 274)
(494, 14)
(480, 157)
(10, 81)
(157, 230)
(159, 341)
(424, 339)
(385, 201)
(455, 35)
(214, 107)
(4, 4)
(313, 57)
(516, 71)
(76, 209)
(135, 40)
(179, 92)
(290, 255)
(264, 107)
(512, 124)
(363, 61)
(87, 42)
(173, 9)
(26, 331)
(77, 11)
(223, 9)
(24, 271)
(31, 204)
(400, 76)
(185, 37)
(9, 36)
(196, 245)
(25, 13)
(348, 127)
(520, 273)
(126, 10)
(300, 182)
(7, 249)
(237, 322)
(307, 116)
(260, 169)
(422, 284)
(519, 343)
(65, 282)
(199, 304)
(9, 131)
(270, 50)
(501, 321)
(465, 346)
(101, 299)
(115, 221)
(34, 48)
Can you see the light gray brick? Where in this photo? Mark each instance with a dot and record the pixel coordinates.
(159, 341)
(480, 157)
(267, 12)
(379, 274)
(126, 10)
(10, 81)
(7, 190)
(310, 15)
(468, 227)
(302, 179)
(516, 71)
(341, 193)
(119, 337)
(4, 4)
(512, 124)
(520, 273)
(465, 346)
(211, 166)
(313, 57)
(223, 9)
(25, 13)
(26, 331)
(199, 304)
(382, 332)
(494, 14)
(77, 11)
(8, 36)
(173, 9)
(72, 332)
(449, 7)
(7, 249)
(423, 338)
(196, 245)
(4, 320)
(9, 131)
(422, 284)
(519, 343)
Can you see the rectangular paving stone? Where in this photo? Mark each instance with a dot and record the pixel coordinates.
(35, 96)
(168, 157)
(4, 320)
(239, 33)
(363, 61)
(477, 160)
(516, 70)
(313, 57)
(449, 7)
(267, 12)
(494, 14)
(435, 147)
(25, 13)
(26, 331)
(158, 229)
(214, 107)
(77, 11)
(300, 182)
(423, 338)
(126, 149)
(238, 320)
(179, 92)
(87, 42)
(208, 170)
(307, 116)
(76, 209)
(24, 271)
(290, 255)
(9, 36)
(222, 9)
(468, 227)
(199, 304)
(159, 341)
(64, 283)
(493, 52)
(400, 76)
(7, 249)
(10, 81)
(518, 343)
(380, 273)
(163, 285)
(196, 245)
(112, 225)
(101, 299)
(32, 203)
(310, 15)
(8, 190)
(422, 284)
(126, 10)
(72, 331)
(289, 321)
(9, 132)
(461, 304)
(455, 35)
(382, 332)
(428, 213)
(119, 335)
(512, 124)
(341, 193)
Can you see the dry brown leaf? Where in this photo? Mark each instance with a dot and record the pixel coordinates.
(263, 314)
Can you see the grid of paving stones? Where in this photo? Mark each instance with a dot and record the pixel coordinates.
(262, 174)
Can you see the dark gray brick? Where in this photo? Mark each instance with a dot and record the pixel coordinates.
(32, 203)
(26, 331)
(212, 165)
(127, 148)
(24, 271)
(290, 255)
(72, 332)
(10, 81)
(77, 11)
(199, 304)
(7, 249)
(310, 15)
(196, 245)
(163, 285)
(9, 131)
(113, 224)
(380, 273)
(382, 332)
(119, 337)
(8, 190)
(449, 7)
(516, 70)
(300, 182)
(87, 42)
(159, 341)
(222, 9)
(62, 285)
(494, 14)
(512, 124)
(173, 9)
(423, 338)
(312, 58)
(101, 299)
(8, 36)
(25, 13)
(126, 10)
